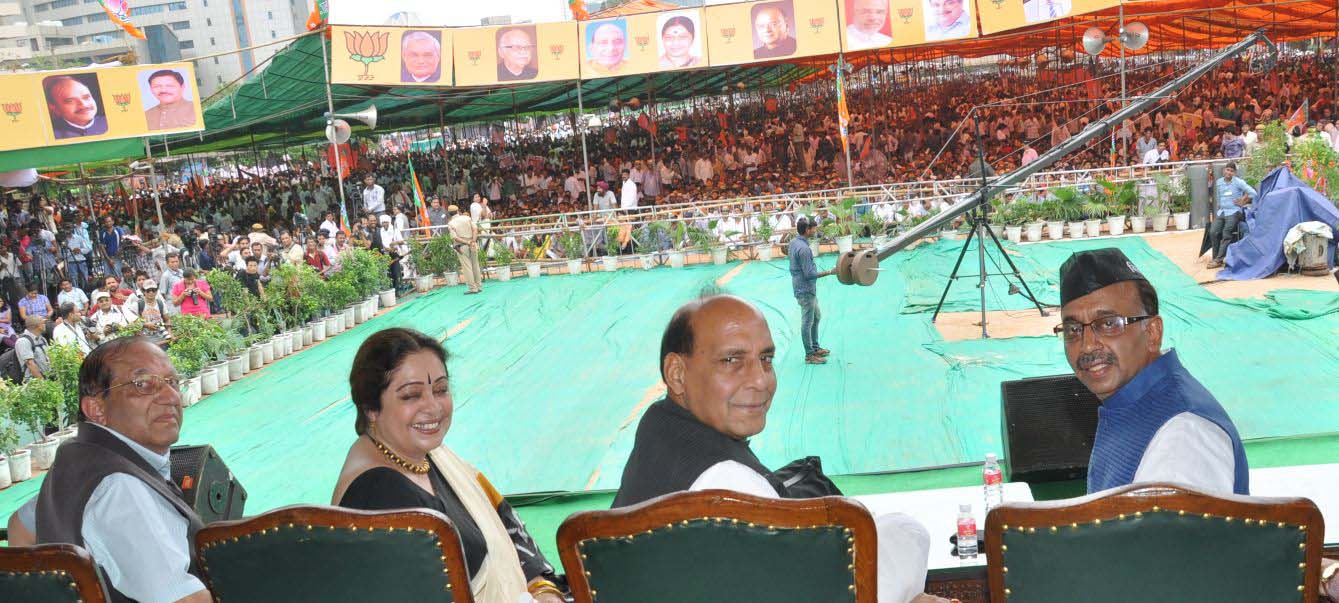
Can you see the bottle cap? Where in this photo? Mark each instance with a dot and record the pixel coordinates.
(990, 457)
(965, 508)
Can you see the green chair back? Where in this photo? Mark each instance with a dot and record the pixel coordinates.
(49, 573)
(329, 554)
(1155, 543)
(719, 546)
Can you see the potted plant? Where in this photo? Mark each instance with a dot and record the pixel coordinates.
(1011, 215)
(764, 232)
(712, 241)
(1121, 200)
(573, 249)
(418, 253)
(35, 404)
(504, 257)
(678, 234)
(1095, 211)
(873, 226)
(9, 440)
(15, 463)
(65, 363)
(841, 229)
(612, 249)
(1051, 211)
(1034, 221)
(1069, 209)
(1180, 207)
(530, 252)
(645, 242)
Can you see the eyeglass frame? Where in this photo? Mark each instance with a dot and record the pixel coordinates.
(1125, 321)
(151, 377)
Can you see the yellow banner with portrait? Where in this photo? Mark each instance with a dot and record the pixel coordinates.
(644, 43)
(390, 56)
(516, 54)
(770, 30)
(1001, 15)
(74, 106)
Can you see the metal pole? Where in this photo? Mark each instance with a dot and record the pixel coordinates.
(330, 121)
(585, 158)
(88, 198)
(153, 186)
(846, 147)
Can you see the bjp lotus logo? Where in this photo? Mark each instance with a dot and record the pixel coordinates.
(366, 47)
(998, 4)
(816, 24)
(474, 56)
(728, 33)
(122, 100)
(13, 110)
(642, 42)
(906, 14)
(556, 50)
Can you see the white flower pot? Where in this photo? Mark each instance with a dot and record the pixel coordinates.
(387, 298)
(1182, 220)
(289, 345)
(574, 266)
(452, 279)
(246, 360)
(285, 345)
(331, 325)
(647, 261)
(1138, 224)
(360, 313)
(20, 465)
(267, 351)
(372, 306)
(1076, 230)
(348, 319)
(765, 252)
(44, 453)
(504, 273)
(1160, 222)
(308, 335)
(845, 243)
(1093, 227)
(423, 283)
(609, 263)
(257, 356)
(5, 480)
(998, 229)
(1034, 231)
(1055, 230)
(318, 330)
(1015, 233)
(1116, 225)
(719, 255)
(221, 373)
(534, 270)
(813, 246)
(298, 339)
(236, 366)
(209, 381)
(192, 394)
(676, 259)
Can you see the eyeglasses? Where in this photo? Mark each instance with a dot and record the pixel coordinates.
(517, 48)
(1107, 326)
(148, 385)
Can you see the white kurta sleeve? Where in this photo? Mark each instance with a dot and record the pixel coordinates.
(904, 544)
(139, 539)
(1191, 450)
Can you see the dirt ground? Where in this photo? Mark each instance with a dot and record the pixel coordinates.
(1180, 247)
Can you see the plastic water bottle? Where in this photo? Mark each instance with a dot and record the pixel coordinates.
(994, 480)
(966, 532)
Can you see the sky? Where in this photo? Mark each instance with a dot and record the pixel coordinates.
(445, 12)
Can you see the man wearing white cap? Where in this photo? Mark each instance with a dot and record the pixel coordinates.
(108, 316)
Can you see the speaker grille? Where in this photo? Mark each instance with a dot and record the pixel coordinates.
(1049, 424)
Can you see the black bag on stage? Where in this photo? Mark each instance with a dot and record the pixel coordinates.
(804, 478)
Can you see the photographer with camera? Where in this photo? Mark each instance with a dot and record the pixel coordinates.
(191, 295)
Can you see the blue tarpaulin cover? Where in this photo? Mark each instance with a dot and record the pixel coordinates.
(1284, 201)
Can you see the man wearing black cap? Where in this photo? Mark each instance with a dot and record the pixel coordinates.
(1156, 422)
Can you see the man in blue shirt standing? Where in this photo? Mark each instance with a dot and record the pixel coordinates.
(111, 244)
(1231, 195)
(804, 275)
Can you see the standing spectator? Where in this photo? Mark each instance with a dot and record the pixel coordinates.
(34, 304)
(112, 286)
(6, 324)
(69, 331)
(1158, 155)
(316, 258)
(151, 308)
(251, 278)
(466, 238)
(110, 238)
(31, 349)
(374, 197)
(628, 195)
(172, 275)
(437, 215)
(191, 295)
(290, 250)
(604, 198)
(1232, 195)
(1234, 146)
(80, 250)
(9, 273)
(329, 226)
(803, 276)
(69, 294)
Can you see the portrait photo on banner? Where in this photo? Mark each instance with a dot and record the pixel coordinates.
(680, 44)
(606, 46)
(75, 103)
(167, 98)
(516, 59)
(1037, 11)
(867, 24)
(773, 29)
(947, 19)
(420, 56)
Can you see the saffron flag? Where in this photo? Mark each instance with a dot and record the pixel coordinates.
(316, 20)
(119, 13)
(418, 197)
(843, 115)
(1299, 117)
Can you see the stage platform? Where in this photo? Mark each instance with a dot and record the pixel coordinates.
(551, 375)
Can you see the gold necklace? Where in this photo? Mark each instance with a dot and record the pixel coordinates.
(419, 468)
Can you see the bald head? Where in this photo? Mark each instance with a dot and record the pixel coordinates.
(716, 360)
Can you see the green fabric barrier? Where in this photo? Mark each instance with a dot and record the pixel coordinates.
(70, 154)
(1295, 304)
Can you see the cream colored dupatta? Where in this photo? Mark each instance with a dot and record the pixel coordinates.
(499, 579)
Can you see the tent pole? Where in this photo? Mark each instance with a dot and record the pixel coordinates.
(88, 198)
(841, 102)
(585, 158)
(153, 186)
(650, 91)
(330, 121)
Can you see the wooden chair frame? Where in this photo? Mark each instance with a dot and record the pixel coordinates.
(1134, 500)
(313, 517)
(66, 560)
(682, 507)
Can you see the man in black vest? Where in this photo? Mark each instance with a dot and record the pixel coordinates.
(716, 361)
(109, 490)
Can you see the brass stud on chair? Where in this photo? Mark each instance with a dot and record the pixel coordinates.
(1122, 516)
(1054, 529)
(1155, 508)
(1140, 513)
(1008, 592)
(1004, 547)
(1229, 519)
(1097, 522)
(1004, 569)
(1181, 512)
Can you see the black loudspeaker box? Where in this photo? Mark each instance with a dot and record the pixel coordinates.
(207, 484)
(1049, 424)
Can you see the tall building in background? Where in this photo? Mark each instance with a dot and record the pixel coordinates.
(45, 34)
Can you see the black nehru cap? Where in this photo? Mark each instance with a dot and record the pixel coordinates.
(1088, 271)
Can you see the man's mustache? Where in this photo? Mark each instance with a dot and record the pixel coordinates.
(1092, 358)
